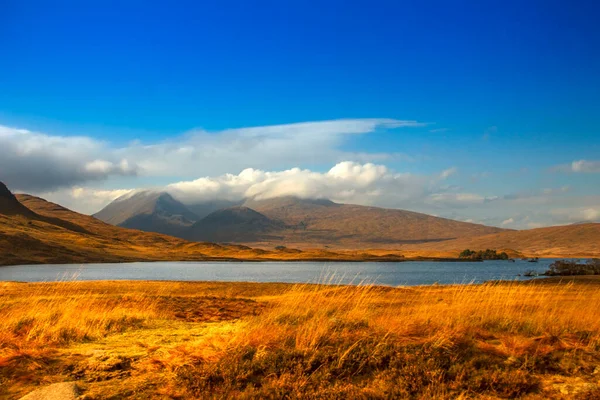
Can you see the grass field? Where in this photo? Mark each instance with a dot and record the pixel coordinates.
(220, 340)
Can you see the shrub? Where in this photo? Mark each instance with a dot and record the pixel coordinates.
(567, 267)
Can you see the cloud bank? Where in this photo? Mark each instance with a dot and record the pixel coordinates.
(39, 162)
(347, 182)
(86, 174)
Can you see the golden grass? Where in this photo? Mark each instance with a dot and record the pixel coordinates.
(244, 340)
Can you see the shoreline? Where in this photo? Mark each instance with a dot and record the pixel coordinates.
(394, 259)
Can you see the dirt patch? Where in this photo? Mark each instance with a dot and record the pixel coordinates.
(209, 309)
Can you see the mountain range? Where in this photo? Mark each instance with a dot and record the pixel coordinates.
(33, 230)
(286, 221)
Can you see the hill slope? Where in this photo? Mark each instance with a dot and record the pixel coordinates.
(44, 232)
(149, 211)
(9, 205)
(317, 222)
(581, 240)
(287, 221)
(235, 224)
(49, 233)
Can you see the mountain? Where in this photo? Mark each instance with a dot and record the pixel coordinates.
(580, 240)
(204, 208)
(9, 205)
(323, 222)
(235, 224)
(149, 211)
(285, 221)
(33, 231)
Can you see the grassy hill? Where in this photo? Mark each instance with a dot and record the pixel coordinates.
(33, 230)
(580, 240)
(322, 222)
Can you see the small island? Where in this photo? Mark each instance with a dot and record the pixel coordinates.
(483, 255)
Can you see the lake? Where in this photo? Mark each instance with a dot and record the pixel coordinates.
(383, 273)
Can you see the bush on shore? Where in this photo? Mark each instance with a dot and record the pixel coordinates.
(568, 267)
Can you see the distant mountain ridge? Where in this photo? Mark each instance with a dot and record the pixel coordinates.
(34, 231)
(235, 224)
(149, 211)
(286, 221)
(38, 231)
(315, 221)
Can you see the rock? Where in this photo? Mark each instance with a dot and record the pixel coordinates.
(57, 391)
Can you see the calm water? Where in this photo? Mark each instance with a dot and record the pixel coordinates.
(403, 273)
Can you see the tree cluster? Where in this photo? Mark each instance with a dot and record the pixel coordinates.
(483, 255)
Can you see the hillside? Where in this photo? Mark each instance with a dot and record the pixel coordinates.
(202, 209)
(47, 239)
(286, 221)
(580, 240)
(322, 222)
(33, 230)
(235, 224)
(149, 211)
(9, 205)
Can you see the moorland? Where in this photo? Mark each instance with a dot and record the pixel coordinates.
(141, 340)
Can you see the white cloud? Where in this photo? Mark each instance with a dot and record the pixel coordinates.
(345, 182)
(280, 146)
(579, 166)
(84, 200)
(105, 168)
(508, 221)
(577, 214)
(455, 200)
(448, 173)
(39, 162)
(591, 214)
(272, 161)
(585, 166)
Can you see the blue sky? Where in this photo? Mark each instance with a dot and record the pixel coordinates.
(505, 93)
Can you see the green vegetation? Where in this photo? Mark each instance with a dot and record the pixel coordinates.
(567, 268)
(483, 255)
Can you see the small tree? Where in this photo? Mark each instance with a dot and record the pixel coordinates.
(466, 254)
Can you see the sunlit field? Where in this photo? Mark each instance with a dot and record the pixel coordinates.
(221, 340)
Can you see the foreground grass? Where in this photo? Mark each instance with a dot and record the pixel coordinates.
(222, 340)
